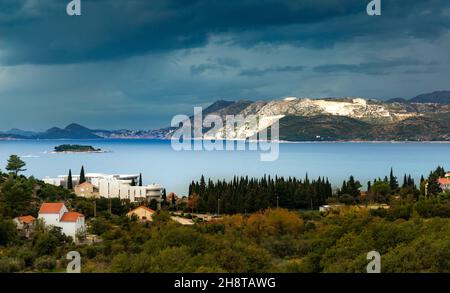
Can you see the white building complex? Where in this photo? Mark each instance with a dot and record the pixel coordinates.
(115, 186)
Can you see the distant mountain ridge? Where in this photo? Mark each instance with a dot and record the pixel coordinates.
(422, 118)
(72, 131)
(437, 97)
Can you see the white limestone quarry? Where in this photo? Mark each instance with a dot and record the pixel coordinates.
(259, 115)
(251, 126)
(350, 107)
(269, 113)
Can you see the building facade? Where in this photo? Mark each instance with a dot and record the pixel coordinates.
(57, 215)
(114, 186)
(86, 189)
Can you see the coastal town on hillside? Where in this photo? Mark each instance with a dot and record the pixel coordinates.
(149, 200)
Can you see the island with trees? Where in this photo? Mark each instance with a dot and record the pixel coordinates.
(76, 148)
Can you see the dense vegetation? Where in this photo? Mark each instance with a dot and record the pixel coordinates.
(434, 127)
(271, 241)
(413, 235)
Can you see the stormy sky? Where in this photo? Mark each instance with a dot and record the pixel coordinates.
(137, 63)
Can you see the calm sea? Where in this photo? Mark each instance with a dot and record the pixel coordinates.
(159, 163)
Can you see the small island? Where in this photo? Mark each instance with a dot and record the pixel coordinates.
(76, 148)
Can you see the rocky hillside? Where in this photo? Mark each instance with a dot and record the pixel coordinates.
(331, 119)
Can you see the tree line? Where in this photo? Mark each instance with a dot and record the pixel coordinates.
(247, 195)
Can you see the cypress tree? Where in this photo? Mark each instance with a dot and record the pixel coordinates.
(69, 180)
(82, 176)
(393, 183)
(164, 196)
(140, 179)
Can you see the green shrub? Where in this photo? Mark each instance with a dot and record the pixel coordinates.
(45, 263)
(11, 265)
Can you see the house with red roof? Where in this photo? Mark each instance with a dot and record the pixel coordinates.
(143, 213)
(444, 183)
(24, 221)
(25, 224)
(57, 214)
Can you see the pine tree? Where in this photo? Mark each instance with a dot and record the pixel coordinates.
(69, 180)
(15, 164)
(434, 187)
(82, 176)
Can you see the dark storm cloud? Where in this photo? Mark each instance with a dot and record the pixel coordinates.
(39, 32)
(276, 69)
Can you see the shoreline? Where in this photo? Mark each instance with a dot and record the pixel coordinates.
(253, 141)
(80, 152)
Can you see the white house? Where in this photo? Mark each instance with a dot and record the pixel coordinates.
(56, 214)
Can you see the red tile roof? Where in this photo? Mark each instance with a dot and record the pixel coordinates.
(86, 184)
(51, 208)
(27, 219)
(145, 208)
(444, 181)
(71, 217)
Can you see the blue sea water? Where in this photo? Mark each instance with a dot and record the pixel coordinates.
(159, 163)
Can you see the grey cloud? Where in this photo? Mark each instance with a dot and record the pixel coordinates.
(220, 65)
(373, 68)
(202, 68)
(229, 62)
(275, 69)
